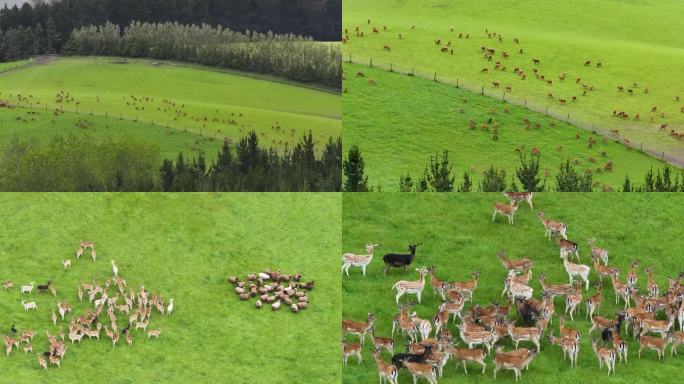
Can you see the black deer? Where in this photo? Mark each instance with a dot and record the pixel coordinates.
(399, 358)
(400, 260)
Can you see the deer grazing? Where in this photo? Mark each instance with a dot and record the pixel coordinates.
(386, 371)
(604, 355)
(400, 260)
(351, 349)
(517, 197)
(7, 284)
(507, 210)
(503, 360)
(576, 270)
(352, 260)
(598, 252)
(478, 337)
(569, 346)
(414, 287)
(553, 228)
(517, 265)
(359, 328)
(655, 343)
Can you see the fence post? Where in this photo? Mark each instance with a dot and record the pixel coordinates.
(526, 102)
(457, 83)
(504, 96)
(482, 91)
(371, 62)
(663, 157)
(350, 58)
(642, 147)
(434, 78)
(547, 110)
(568, 117)
(413, 72)
(391, 68)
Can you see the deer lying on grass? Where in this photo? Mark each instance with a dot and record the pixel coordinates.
(604, 355)
(469, 355)
(359, 328)
(27, 288)
(655, 344)
(553, 228)
(352, 260)
(517, 265)
(507, 210)
(576, 270)
(569, 346)
(515, 363)
(386, 371)
(421, 370)
(520, 197)
(598, 252)
(414, 287)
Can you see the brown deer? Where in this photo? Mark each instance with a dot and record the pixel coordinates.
(386, 371)
(594, 302)
(351, 349)
(421, 370)
(359, 328)
(573, 300)
(514, 363)
(655, 343)
(507, 210)
(569, 346)
(382, 342)
(518, 265)
(604, 355)
(469, 355)
(598, 252)
(553, 228)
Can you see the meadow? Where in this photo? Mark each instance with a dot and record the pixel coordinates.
(11, 65)
(177, 98)
(182, 246)
(633, 41)
(402, 121)
(459, 237)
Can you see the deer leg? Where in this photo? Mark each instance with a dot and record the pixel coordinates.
(363, 268)
(493, 216)
(464, 367)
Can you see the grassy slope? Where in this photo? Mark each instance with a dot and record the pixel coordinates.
(11, 64)
(461, 238)
(402, 121)
(632, 39)
(217, 96)
(156, 242)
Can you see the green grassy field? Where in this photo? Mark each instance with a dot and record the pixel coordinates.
(402, 121)
(11, 64)
(185, 98)
(459, 238)
(632, 39)
(181, 246)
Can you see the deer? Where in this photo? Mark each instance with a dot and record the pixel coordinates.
(658, 326)
(55, 360)
(476, 337)
(359, 328)
(652, 286)
(553, 228)
(469, 355)
(602, 270)
(598, 252)
(568, 247)
(29, 306)
(386, 371)
(352, 260)
(620, 346)
(115, 269)
(655, 343)
(579, 270)
(423, 326)
(568, 333)
(441, 319)
(632, 276)
(604, 355)
(594, 302)
(404, 322)
(515, 363)
(400, 260)
(414, 287)
(677, 338)
(517, 265)
(41, 361)
(466, 287)
(421, 370)
(27, 288)
(622, 290)
(601, 323)
(86, 244)
(66, 263)
(507, 210)
(520, 197)
(569, 346)
(573, 300)
(555, 289)
(453, 309)
(519, 334)
(350, 349)
(438, 285)
(382, 342)
(520, 291)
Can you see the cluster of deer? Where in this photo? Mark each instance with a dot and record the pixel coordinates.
(430, 343)
(109, 298)
(274, 288)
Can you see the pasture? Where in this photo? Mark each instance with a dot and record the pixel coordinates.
(11, 65)
(174, 97)
(402, 121)
(637, 50)
(459, 237)
(181, 246)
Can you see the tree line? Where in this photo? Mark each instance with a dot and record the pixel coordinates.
(293, 57)
(321, 19)
(82, 163)
(439, 176)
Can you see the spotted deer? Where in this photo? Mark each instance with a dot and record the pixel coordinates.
(518, 197)
(594, 302)
(620, 346)
(573, 300)
(576, 270)
(436, 283)
(598, 252)
(517, 265)
(568, 333)
(414, 287)
(655, 343)
(422, 326)
(657, 326)
(553, 228)
(387, 372)
(519, 334)
(602, 270)
(453, 309)
(421, 370)
(404, 323)
(362, 261)
(652, 286)
(569, 346)
(568, 247)
(555, 289)
(622, 290)
(507, 210)
(515, 363)
(677, 339)
(604, 355)
(351, 349)
(632, 277)
(469, 355)
(476, 337)
(359, 328)
(382, 342)
(467, 287)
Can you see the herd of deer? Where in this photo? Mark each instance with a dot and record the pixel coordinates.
(103, 299)
(274, 288)
(430, 343)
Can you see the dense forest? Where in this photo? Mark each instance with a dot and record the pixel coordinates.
(320, 19)
(88, 164)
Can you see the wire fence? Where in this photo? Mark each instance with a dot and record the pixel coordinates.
(553, 111)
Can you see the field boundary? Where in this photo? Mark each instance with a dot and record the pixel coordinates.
(545, 110)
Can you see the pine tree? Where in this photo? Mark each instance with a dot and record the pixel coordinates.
(528, 172)
(467, 184)
(353, 171)
(406, 183)
(438, 175)
(493, 180)
(627, 186)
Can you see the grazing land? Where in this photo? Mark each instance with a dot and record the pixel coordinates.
(459, 237)
(636, 90)
(402, 121)
(157, 243)
(186, 101)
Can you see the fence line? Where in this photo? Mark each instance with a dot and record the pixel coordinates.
(524, 102)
